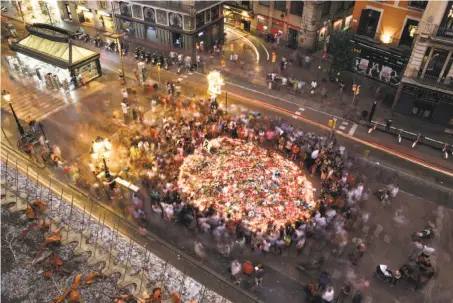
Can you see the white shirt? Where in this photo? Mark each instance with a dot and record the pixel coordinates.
(328, 295)
(124, 108)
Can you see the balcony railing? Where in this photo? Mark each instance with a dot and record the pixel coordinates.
(430, 80)
(445, 33)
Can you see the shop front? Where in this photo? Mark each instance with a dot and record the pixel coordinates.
(105, 18)
(379, 62)
(48, 53)
(238, 14)
(85, 15)
(426, 104)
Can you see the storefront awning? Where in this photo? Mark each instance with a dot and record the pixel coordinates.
(61, 54)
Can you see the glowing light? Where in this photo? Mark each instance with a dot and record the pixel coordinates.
(215, 81)
(101, 148)
(245, 14)
(386, 38)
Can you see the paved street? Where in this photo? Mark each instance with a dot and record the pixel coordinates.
(72, 122)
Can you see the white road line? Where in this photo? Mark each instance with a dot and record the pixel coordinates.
(52, 112)
(352, 130)
(342, 127)
(345, 123)
(301, 109)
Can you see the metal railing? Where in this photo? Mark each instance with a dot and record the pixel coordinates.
(39, 186)
(430, 80)
(444, 32)
(436, 144)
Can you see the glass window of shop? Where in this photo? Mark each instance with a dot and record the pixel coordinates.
(41, 69)
(151, 34)
(88, 71)
(264, 3)
(107, 22)
(85, 16)
(326, 8)
(125, 9)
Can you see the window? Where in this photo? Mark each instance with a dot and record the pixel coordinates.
(418, 4)
(326, 8)
(103, 4)
(369, 20)
(280, 5)
(68, 11)
(264, 3)
(351, 4)
(340, 5)
(408, 32)
(297, 8)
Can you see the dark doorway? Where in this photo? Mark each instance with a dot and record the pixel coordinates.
(246, 25)
(177, 40)
(292, 38)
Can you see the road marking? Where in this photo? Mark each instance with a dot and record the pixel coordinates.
(378, 230)
(342, 127)
(180, 79)
(352, 130)
(336, 274)
(301, 109)
(184, 76)
(387, 238)
(298, 113)
(365, 229)
(368, 299)
(345, 123)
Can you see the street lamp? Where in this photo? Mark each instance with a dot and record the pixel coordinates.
(117, 37)
(101, 148)
(7, 97)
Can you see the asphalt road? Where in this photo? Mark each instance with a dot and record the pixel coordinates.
(76, 124)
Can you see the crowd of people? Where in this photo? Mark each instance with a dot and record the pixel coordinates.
(150, 148)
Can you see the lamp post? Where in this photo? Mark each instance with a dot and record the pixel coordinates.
(7, 97)
(101, 148)
(117, 37)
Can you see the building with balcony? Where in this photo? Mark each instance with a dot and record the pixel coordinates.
(384, 34)
(304, 24)
(426, 90)
(90, 14)
(175, 24)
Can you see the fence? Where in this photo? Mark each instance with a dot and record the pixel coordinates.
(38, 185)
(439, 145)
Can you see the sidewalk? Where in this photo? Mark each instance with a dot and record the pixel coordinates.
(253, 75)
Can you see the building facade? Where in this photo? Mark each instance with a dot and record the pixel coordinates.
(426, 89)
(304, 24)
(384, 34)
(91, 14)
(175, 24)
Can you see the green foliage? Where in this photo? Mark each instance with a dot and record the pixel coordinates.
(340, 47)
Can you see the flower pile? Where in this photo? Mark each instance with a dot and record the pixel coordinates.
(252, 184)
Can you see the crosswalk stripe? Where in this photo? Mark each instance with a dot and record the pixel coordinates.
(342, 127)
(352, 130)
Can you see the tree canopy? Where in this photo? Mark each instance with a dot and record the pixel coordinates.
(340, 47)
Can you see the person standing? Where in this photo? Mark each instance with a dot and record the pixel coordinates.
(328, 294)
(125, 109)
(259, 273)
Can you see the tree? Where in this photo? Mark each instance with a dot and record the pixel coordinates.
(340, 47)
